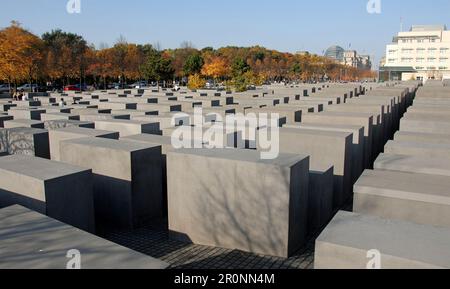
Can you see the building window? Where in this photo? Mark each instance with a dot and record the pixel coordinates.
(431, 59)
(420, 67)
(420, 50)
(443, 59)
(443, 67)
(432, 50)
(420, 59)
(444, 50)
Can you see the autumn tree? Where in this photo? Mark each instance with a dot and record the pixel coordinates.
(216, 69)
(21, 54)
(196, 82)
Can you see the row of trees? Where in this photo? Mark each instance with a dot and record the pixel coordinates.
(61, 57)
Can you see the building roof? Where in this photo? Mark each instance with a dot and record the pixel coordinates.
(419, 28)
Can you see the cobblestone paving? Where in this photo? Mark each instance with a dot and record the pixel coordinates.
(154, 241)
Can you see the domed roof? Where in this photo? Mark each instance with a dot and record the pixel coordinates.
(335, 52)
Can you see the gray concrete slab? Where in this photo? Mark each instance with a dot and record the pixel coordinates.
(30, 240)
(348, 239)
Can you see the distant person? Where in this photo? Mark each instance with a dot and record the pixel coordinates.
(21, 94)
(62, 103)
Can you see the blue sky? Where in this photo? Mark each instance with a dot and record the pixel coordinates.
(285, 25)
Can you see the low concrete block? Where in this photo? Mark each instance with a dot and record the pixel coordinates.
(33, 241)
(414, 164)
(57, 124)
(28, 141)
(349, 238)
(235, 200)
(56, 136)
(128, 127)
(412, 197)
(418, 149)
(24, 123)
(61, 191)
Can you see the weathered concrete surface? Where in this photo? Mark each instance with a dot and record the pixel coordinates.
(27, 141)
(58, 135)
(345, 243)
(413, 197)
(61, 191)
(127, 178)
(56, 124)
(233, 199)
(30, 240)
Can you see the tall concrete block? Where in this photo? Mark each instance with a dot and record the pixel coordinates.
(127, 178)
(320, 198)
(412, 197)
(348, 119)
(326, 148)
(358, 142)
(348, 239)
(61, 191)
(45, 243)
(235, 200)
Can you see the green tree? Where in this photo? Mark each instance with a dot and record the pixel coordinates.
(193, 64)
(158, 67)
(239, 67)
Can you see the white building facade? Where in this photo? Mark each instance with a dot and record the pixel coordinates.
(421, 53)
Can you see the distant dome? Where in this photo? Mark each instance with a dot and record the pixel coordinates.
(335, 52)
